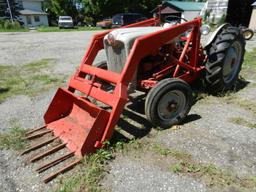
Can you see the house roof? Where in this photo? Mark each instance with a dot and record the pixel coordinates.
(31, 12)
(185, 5)
(168, 10)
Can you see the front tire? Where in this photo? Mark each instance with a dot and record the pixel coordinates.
(105, 86)
(225, 58)
(168, 103)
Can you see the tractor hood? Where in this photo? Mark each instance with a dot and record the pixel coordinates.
(124, 38)
(128, 35)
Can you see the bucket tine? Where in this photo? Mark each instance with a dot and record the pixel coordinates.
(38, 134)
(48, 152)
(54, 162)
(63, 170)
(35, 130)
(38, 146)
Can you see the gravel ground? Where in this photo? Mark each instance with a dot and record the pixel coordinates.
(131, 175)
(211, 138)
(214, 139)
(15, 176)
(67, 48)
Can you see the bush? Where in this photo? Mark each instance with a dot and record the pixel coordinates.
(16, 25)
(8, 24)
(1, 23)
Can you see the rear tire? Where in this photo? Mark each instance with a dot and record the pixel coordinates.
(225, 58)
(168, 103)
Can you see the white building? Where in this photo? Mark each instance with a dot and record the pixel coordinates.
(32, 14)
(217, 9)
(253, 18)
(185, 9)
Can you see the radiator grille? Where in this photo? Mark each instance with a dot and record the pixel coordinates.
(116, 57)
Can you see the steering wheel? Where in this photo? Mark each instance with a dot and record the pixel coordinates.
(172, 19)
(175, 20)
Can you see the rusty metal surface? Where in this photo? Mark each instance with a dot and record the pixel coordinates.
(63, 170)
(38, 134)
(39, 145)
(48, 165)
(48, 152)
(35, 130)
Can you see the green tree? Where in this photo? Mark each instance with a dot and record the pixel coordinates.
(56, 8)
(95, 10)
(4, 10)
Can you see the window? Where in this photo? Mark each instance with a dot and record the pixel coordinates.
(29, 20)
(37, 18)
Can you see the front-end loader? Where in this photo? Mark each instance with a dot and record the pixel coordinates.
(159, 58)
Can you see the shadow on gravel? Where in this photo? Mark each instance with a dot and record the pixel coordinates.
(191, 118)
(130, 119)
(132, 129)
(241, 84)
(200, 92)
(138, 104)
(127, 125)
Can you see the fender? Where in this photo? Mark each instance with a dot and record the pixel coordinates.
(211, 37)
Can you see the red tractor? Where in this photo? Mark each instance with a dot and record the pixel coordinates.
(161, 59)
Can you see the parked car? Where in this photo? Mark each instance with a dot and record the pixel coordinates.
(126, 19)
(105, 24)
(65, 22)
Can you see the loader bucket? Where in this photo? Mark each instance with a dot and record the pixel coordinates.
(76, 121)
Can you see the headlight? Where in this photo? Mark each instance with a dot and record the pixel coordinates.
(205, 29)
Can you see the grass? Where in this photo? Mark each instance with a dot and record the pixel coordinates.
(56, 29)
(243, 103)
(249, 65)
(52, 29)
(94, 167)
(183, 163)
(213, 176)
(30, 79)
(91, 172)
(173, 152)
(13, 139)
(250, 58)
(247, 105)
(14, 30)
(243, 122)
(254, 179)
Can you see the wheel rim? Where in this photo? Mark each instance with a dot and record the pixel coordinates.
(171, 105)
(232, 61)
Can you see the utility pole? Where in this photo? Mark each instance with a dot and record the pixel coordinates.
(10, 11)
